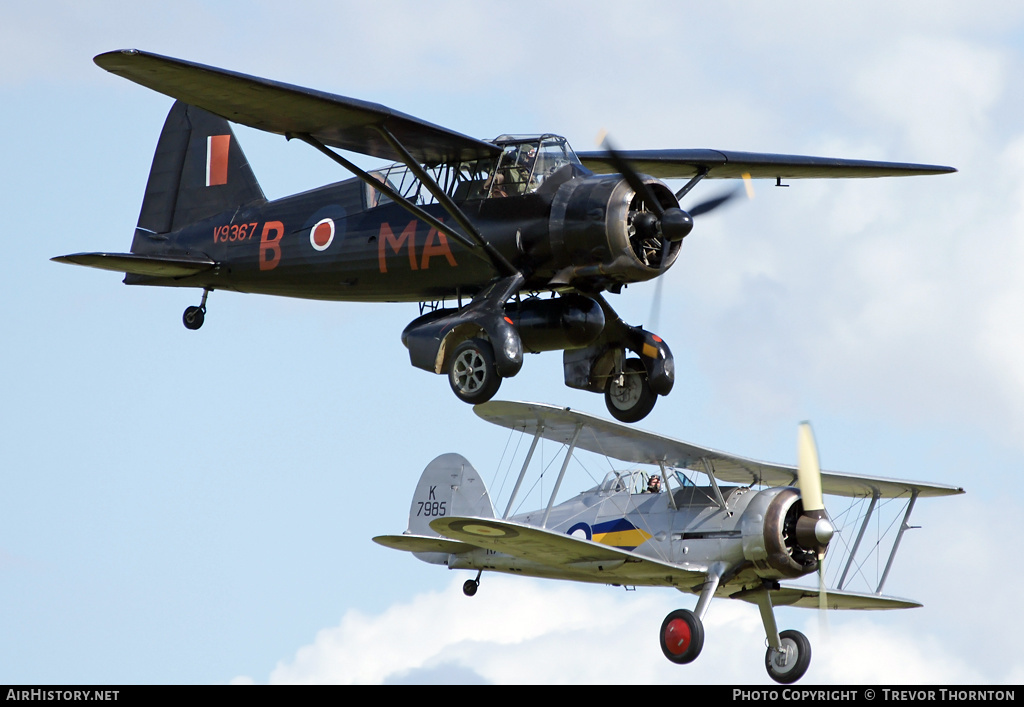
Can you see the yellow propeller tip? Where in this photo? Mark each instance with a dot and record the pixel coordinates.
(748, 184)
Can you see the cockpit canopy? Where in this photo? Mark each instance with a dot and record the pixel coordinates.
(525, 162)
(637, 481)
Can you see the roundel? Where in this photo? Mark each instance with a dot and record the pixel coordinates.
(580, 530)
(322, 234)
(483, 529)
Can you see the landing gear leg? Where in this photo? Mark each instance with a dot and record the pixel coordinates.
(631, 386)
(471, 585)
(194, 316)
(682, 631)
(789, 653)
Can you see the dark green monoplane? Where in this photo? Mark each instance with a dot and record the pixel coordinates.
(523, 234)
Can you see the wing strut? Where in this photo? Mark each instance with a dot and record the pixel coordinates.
(497, 259)
(703, 172)
(561, 474)
(856, 543)
(398, 198)
(899, 536)
(709, 469)
(664, 478)
(522, 474)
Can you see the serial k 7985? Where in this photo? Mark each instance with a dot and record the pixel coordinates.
(524, 234)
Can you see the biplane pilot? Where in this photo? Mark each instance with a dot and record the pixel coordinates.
(654, 484)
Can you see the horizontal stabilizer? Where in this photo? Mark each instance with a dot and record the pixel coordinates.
(146, 265)
(422, 543)
(807, 597)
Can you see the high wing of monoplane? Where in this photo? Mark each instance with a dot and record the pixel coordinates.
(510, 243)
(337, 121)
(634, 528)
(719, 164)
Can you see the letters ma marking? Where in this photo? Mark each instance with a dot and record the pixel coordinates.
(436, 244)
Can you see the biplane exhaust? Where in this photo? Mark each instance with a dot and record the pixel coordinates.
(730, 541)
(523, 233)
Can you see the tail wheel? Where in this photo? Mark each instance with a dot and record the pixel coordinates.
(629, 397)
(789, 665)
(682, 636)
(193, 317)
(471, 372)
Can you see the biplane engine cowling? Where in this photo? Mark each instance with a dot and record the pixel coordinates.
(770, 536)
(600, 229)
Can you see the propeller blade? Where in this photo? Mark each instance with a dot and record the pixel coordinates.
(748, 184)
(655, 316)
(713, 203)
(632, 177)
(822, 590)
(822, 597)
(808, 472)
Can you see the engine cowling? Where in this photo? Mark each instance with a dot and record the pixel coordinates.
(770, 542)
(599, 228)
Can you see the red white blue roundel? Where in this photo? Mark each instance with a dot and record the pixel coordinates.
(322, 234)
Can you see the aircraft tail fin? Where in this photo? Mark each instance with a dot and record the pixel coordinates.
(199, 170)
(448, 486)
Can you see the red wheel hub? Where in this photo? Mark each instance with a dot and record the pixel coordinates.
(677, 636)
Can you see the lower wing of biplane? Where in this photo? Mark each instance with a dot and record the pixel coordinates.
(742, 542)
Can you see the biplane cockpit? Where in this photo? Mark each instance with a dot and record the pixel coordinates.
(638, 481)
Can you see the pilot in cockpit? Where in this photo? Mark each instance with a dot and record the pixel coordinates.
(654, 484)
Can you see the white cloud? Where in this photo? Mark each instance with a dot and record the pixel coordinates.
(937, 91)
(522, 631)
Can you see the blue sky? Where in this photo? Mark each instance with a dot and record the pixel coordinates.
(197, 507)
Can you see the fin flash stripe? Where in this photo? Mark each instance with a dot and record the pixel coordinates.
(217, 159)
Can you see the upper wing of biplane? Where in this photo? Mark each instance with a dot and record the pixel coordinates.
(683, 164)
(566, 552)
(638, 447)
(341, 122)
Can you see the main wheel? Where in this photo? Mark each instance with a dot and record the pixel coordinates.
(789, 665)
(682, 636)
(193, 317)
(470, 587)
(629, 397)
(471, 372)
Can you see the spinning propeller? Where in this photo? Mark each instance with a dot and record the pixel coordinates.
(660, 224)
(813, 527)
(672, 223)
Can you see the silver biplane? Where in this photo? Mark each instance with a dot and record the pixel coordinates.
(740, 541)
